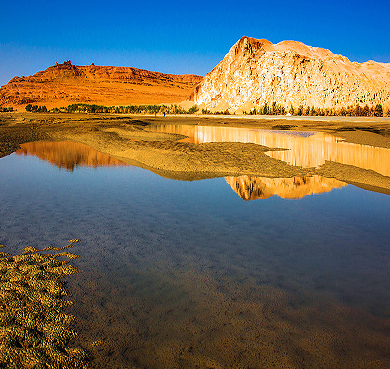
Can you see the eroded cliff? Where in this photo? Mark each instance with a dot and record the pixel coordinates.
(256, 72)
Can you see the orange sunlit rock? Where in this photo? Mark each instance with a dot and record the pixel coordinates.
(65, 84)
(256, 72)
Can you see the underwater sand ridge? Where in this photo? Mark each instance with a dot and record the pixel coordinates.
(34, 330)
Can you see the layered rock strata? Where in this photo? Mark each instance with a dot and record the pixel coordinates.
(64, 84)
(256, 72)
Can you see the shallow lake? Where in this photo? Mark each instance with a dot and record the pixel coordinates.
(178, 274)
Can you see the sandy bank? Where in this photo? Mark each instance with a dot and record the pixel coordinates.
(129, 139)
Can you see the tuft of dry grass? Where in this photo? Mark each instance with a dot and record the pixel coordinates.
(34, 331)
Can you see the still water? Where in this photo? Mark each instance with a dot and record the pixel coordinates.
(179, 274)
(305, 149)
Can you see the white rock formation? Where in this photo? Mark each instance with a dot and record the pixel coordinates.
(256, 72)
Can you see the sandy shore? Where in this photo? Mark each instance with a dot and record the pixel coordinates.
(127, 138)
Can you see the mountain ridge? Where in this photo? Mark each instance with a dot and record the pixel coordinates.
(65, 83)
(255, 73)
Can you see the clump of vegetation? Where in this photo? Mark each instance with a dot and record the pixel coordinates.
(274, 109)
(193, 109)
(36, 108)
(34, 331)
(222, 112)
(6, 110)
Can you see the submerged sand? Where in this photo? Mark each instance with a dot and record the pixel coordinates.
(34, 331)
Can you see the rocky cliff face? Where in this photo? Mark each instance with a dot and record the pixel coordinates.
(257, 72)
(65, 84)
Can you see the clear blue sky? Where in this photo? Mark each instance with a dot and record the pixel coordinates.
(180, 36)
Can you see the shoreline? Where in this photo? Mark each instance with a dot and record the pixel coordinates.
(127, 138)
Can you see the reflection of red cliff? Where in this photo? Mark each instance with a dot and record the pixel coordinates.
(68, 155)
(252, 188)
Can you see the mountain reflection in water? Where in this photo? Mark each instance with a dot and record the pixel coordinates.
(304, 149)
(252, 188)
(68, 155)
(183, 274)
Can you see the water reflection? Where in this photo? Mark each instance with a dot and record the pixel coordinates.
(180, 274)
(305, 149)
(68, 155)
(252, 188)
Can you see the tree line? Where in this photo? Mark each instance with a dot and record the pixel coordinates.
(6, 110)
(36, 108)
(128, 109)
(272, 109)
(351, 111)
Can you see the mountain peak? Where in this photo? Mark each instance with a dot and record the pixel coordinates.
(256, 72)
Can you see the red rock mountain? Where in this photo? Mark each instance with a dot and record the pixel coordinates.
(65, 83)
(255, 72)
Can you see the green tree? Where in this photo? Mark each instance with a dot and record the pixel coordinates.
(378, 110)
(193, 109)
(366, 111)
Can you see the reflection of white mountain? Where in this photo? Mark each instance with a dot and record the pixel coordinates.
(252, 188)
(305, 149)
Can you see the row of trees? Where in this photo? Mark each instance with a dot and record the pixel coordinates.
(129, 109)
(36, 108)
(6, 110)
(352, 111)
(273, 109)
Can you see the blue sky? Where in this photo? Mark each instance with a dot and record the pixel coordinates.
(179, 36)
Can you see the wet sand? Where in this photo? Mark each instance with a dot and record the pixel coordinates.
(127, 138)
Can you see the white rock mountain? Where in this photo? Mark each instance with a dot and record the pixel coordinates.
(257, 72)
